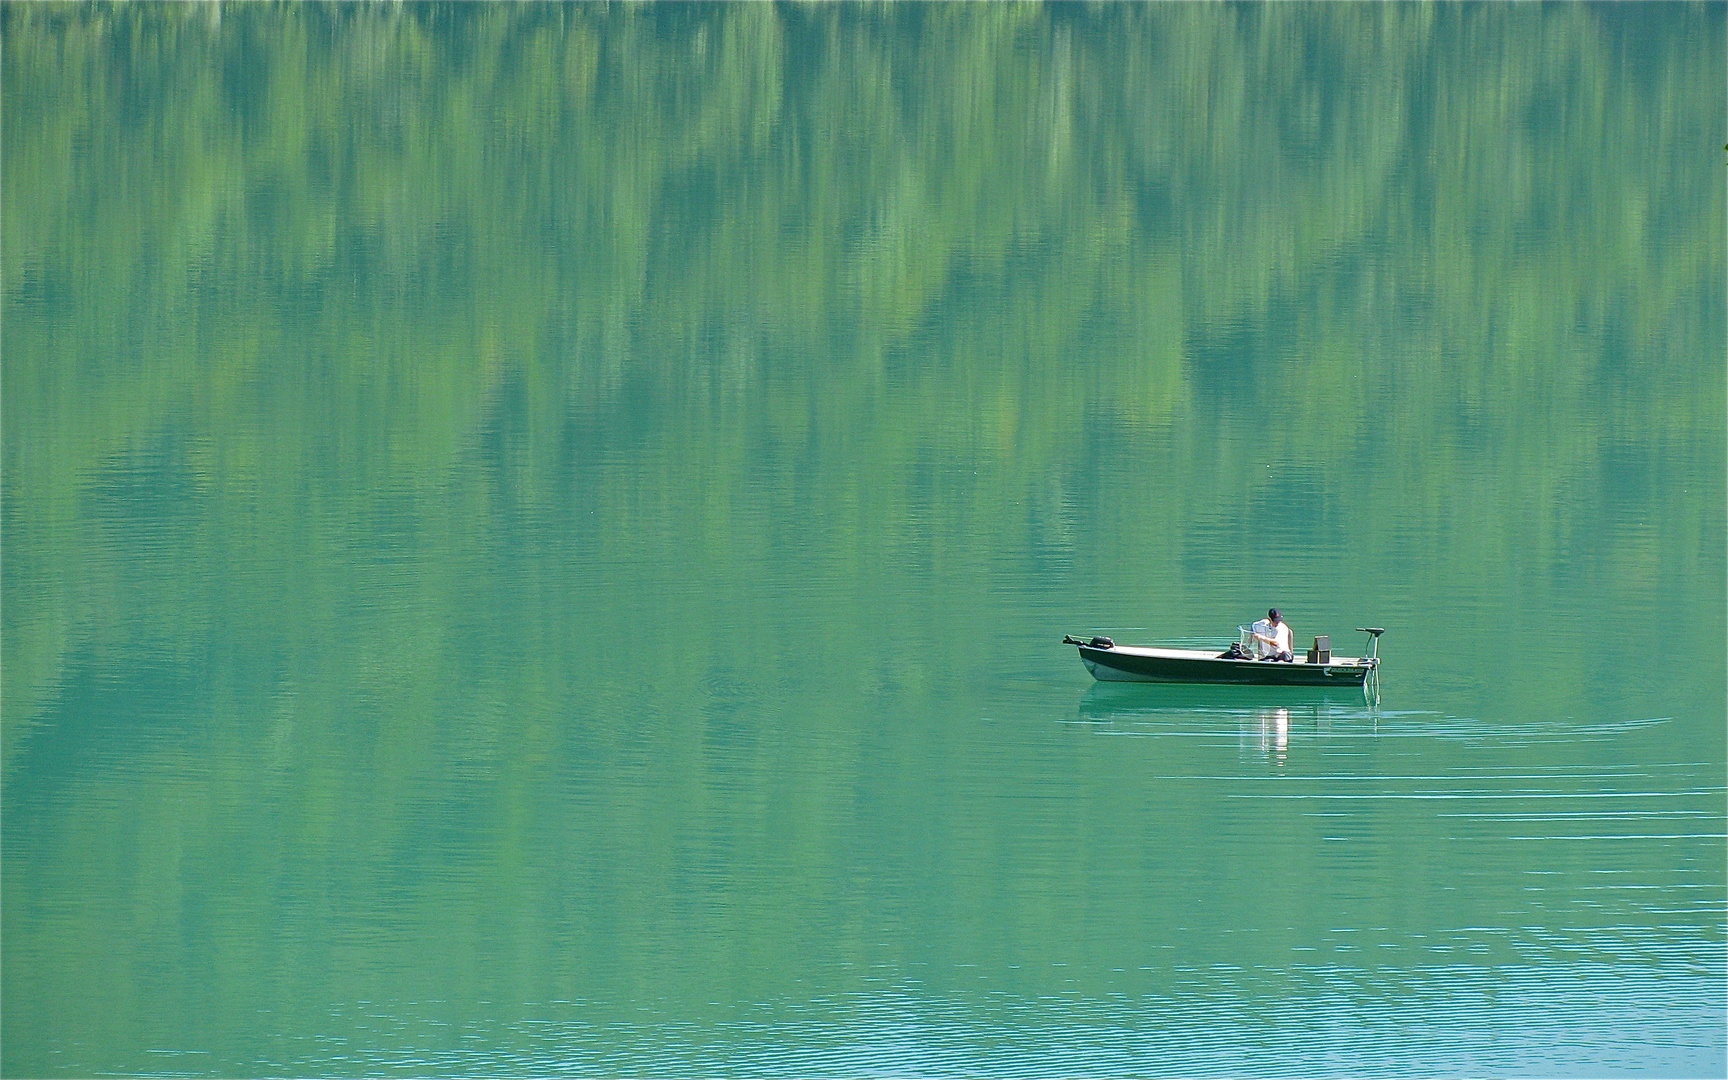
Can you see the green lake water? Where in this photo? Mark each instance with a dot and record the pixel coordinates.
(536, 539)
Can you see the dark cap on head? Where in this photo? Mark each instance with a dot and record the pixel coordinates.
(1273, 614)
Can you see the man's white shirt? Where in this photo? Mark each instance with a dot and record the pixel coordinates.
(1279, 633)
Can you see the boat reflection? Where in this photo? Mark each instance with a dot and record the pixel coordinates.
(1262, 722)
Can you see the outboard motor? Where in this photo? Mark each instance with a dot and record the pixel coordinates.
(1095, 643)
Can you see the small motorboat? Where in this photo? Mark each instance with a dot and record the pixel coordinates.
(1110, 662)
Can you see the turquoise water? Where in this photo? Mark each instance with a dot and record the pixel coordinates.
(537, 539)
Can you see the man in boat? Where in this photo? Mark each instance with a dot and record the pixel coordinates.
(1272, 636)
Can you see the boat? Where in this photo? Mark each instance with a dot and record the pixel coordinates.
(1110, 662)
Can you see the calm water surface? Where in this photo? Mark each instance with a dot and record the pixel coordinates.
(536, 539)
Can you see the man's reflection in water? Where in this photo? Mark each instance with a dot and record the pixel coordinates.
(1275, 733)
(1267, 729)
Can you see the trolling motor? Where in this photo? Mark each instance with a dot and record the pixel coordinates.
(1371, 685)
